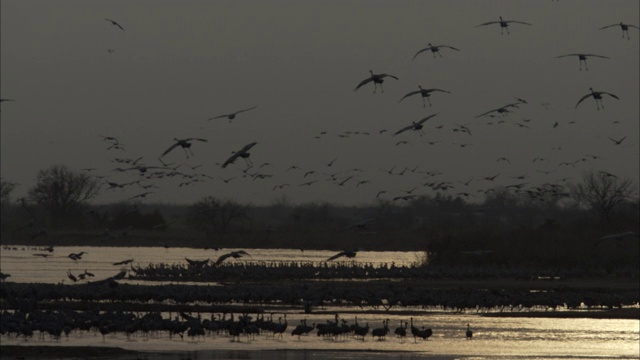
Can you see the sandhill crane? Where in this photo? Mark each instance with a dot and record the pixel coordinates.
(77, 256)
(377, 79)
(503, 110)
(184, 143)
(420, 333)
(123, 262)
(4, 276)
(624, 27)
(597, 96)
(504, 24)
(582, 58)
(469, 333)
(417, 126)
(380, 333)
(232, 115)
(434, 49)
(425, 93)
(113, 22)
(243, 153)
(348, 253)
(71, 276)
(618, 142)
(234, 254)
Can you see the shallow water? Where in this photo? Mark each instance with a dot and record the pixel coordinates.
(23, 266)
(494, 337)
(529, 338)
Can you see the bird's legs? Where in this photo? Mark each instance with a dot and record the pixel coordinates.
(429, 100)
(423, 103)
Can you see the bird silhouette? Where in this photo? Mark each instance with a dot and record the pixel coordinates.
(243, 153)
(435, 49)
(113, 22)
(469, 333)
(184, 143)
(348, 253)
(582, 58)
(618, 142)
(623, 26)
(123, 262)
(425, 93)
(234, 254)
(597, 96)
(504, 24)
(377, 79)
(417, 126)
(232, 115)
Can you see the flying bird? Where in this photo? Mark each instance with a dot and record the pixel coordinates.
(417, 126)
(504, 24)
(425, 93)
(234, 254)
(618, 142)
(232, 116)
(434, 49)
(377, 79)
(184, 143)
(123, 262)
(348, 253)
(618, 237)
(597, 96)
(582, 58)
(115, 23)
(243, 153)
(501, 110)
(624, 27)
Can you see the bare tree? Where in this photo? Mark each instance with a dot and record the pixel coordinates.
(601, 192)
(61, 191)
(215, 216)
(5, 191)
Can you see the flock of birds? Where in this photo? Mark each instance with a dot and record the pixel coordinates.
(146, 175)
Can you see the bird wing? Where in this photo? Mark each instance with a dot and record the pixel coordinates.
(582, 98)
(404, 129)
(488, 112)
(608, 26)
(389, 75)
(610, 94)
(169, 149)
(223, 258)
(342, 253)
(243, 110)
(422, 121)
(633, 26)
(191, 139)
(568, 55)
(430, 90)
(363, 82)
(449, 47)
(518, 22)
(230, 160)
(600, 56)
(247, 147)
(489, 23)
(421, 51)
(409, 94)
(219, 117)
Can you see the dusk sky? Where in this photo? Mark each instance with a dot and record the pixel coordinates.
(75, 78)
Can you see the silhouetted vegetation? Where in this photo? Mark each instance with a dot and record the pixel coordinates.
(548, 228)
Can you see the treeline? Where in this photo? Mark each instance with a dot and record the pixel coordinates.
(555, 227)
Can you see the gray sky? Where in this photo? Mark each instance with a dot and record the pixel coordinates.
(179, 63)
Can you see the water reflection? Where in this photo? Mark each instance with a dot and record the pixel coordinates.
(20, 262)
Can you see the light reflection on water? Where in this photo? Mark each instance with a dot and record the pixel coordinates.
(494, 337)
(527, 338)
(23, 266)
